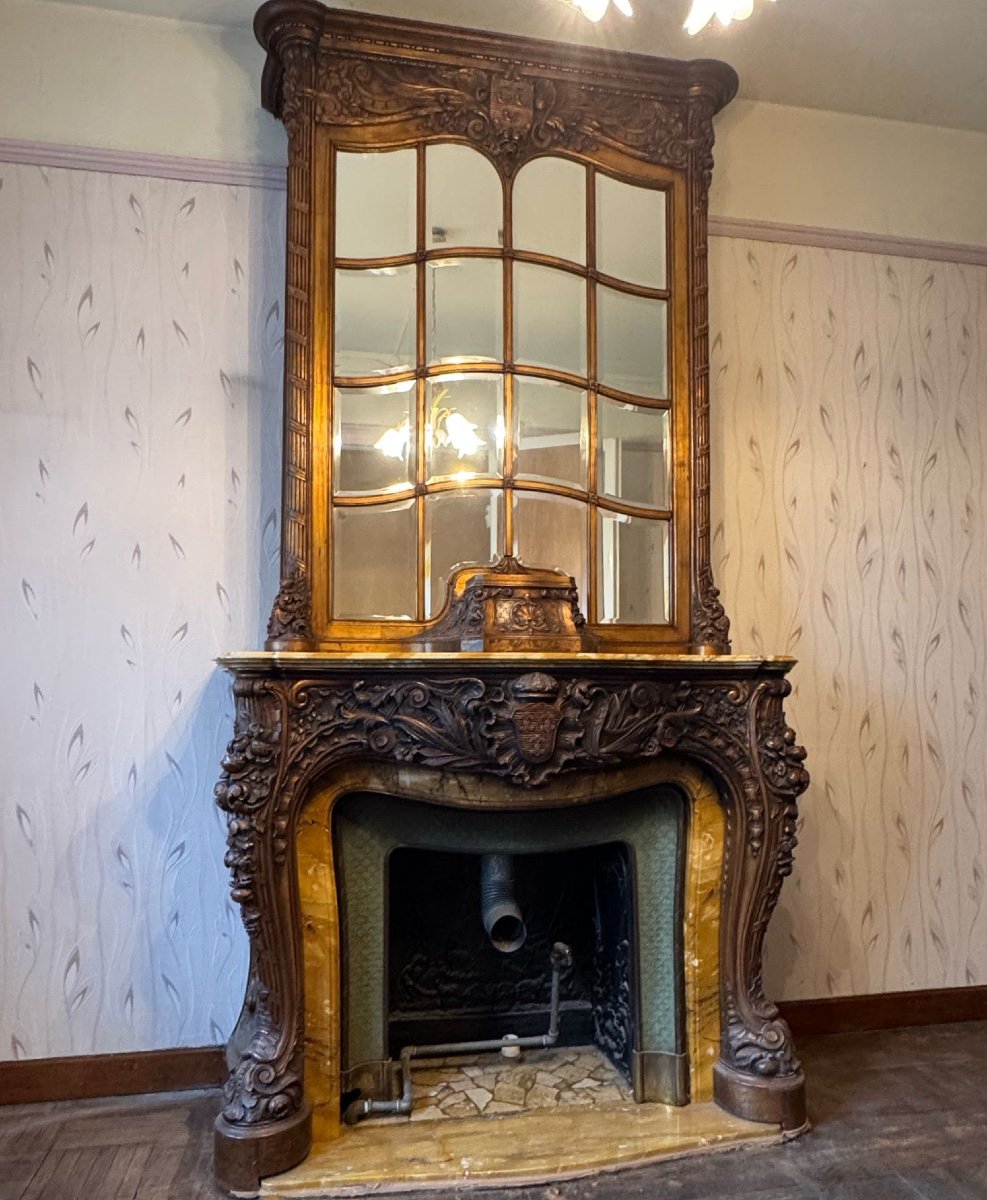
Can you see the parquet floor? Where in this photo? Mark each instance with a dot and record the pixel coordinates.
(900, 1115)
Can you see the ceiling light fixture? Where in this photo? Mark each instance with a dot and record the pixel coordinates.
(700, 14)
(725, 11)
(596, 9)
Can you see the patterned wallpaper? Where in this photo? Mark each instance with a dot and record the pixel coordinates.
(849, 394)
(140, 357)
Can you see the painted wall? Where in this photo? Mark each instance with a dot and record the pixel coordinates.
(140, 362)
(850, 530)
(140, 358)
(125, 82)
(140, 344)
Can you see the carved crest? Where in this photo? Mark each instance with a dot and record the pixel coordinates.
(512, 105)
(536, 726)
(537, 716)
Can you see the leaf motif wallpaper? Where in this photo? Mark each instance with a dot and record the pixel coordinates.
(140, 364)
(849, 391)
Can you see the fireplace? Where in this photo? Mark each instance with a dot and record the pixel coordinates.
(497, 783)
(605, 883)
(688, 766)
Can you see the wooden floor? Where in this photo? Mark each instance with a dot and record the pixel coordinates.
(900, 1115)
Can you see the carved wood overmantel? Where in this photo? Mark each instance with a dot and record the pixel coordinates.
(340, 79)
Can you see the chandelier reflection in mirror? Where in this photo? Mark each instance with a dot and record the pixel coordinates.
(700, 15)
(446, 427)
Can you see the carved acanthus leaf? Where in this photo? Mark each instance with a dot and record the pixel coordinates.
(261, 1088)
(291, 614)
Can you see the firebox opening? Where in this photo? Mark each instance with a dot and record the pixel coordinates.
(419, 968)
(449, 978)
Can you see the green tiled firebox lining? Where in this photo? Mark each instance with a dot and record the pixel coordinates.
(368, 826)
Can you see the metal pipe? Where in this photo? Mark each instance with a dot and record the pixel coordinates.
(560, 958)
(498, 904)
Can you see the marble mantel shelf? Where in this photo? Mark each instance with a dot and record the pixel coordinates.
(303, 662)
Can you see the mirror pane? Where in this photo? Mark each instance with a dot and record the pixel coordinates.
(464, 198)
(550, 531)
(375, 204)
(633, 570)
(549, 208)
(463, 526)
(633, 453)
(464, 310)
(549, 318)
(630, 232)
(375, 321)
(373, 438)
(631, 342)
(465, 433)
(550, 431)
(375, 561)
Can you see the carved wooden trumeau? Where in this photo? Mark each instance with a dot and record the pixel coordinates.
(344, 80)
(514, 695)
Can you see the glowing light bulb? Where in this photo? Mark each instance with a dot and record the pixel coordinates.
(393, 443)
(462, 434)
(725, 11)
(596, 10)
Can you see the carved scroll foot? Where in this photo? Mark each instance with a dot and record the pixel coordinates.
(776, 1100)
(245, 1154)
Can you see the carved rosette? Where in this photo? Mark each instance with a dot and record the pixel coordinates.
(525, 728)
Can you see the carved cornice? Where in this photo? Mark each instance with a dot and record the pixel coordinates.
(522, 98)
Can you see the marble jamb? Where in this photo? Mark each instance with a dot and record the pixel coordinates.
(706, 839)
(320, 916)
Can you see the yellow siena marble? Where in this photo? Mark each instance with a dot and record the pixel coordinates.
(527, 1148)
(701, 940)
(320, 915)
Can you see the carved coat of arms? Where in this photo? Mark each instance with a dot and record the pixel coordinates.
(512, 105)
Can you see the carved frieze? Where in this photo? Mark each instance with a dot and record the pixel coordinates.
(507, 113)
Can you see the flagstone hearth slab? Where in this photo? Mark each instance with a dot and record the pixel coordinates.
(511, 1149)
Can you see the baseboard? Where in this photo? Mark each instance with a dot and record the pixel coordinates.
(82, 1077)
(885, 1010)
